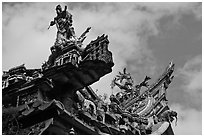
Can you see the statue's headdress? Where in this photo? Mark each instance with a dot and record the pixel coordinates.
(58, 7)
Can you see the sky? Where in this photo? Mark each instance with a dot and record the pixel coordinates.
(144, 38)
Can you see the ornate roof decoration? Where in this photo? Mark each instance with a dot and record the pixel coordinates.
(58, 99)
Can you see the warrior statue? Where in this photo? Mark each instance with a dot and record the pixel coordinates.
(65, 36)
(63, 22)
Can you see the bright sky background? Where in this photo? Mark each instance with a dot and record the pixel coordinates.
(144, 37)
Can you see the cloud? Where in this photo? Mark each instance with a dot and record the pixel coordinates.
(187, 89)
(189, 121)
(191, 73)
(25, 38)
(187, 97)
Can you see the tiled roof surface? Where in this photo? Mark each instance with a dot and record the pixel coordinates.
(38, 111)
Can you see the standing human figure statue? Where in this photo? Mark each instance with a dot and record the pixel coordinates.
(63, 22)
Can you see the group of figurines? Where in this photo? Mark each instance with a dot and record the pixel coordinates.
(112, 112)
(126, 120)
